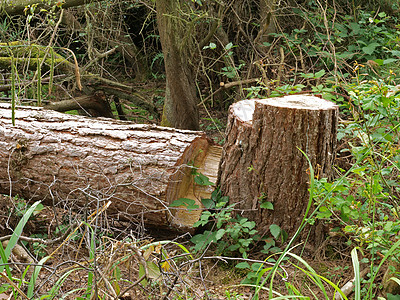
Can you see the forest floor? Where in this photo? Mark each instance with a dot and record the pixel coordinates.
(210, 279)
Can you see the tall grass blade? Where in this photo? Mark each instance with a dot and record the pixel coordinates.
(356, 268)
(53, 292)
(13, 92)
(4, 260)
(35, 275)
(17, 232)
(39, 78)
(388, 254)
(52, 60)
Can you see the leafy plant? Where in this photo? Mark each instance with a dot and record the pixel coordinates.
(5, 253)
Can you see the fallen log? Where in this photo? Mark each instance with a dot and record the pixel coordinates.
(20, 6)
(262, 162)
(78, 162)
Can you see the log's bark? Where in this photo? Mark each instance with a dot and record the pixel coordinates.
(261, 160)
(16, 7)
(74, 162)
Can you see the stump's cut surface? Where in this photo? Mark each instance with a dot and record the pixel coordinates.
(261, 160)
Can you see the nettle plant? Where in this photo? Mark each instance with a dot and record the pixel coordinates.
(225, 233)
(365, 36)
(365, 198)
(222, 230)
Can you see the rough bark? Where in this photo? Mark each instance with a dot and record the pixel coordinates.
(261, 160)
(77, 162)
(267, 25)
(180, 106)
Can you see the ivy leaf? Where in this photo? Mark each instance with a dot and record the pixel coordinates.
(275, 230)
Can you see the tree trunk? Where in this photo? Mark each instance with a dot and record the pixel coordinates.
(267, 23)
(78, 162)
(180, 106)
(261, 160)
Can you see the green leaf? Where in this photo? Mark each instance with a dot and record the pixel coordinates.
(267, 205)
(395, 52)
(208, 203)
(190, 204)
(389, 61)
(355, 27)
(142, 273)
(257, 266)
(210, 46)
(228, 46)
(323, 212)
(17, 232)
(153, 270)
(219, 234)
(38, 209)
(369, 49)
(201, 179)
(182, 201)
(243, 265)
(35, 275)
(275, 230)
(393, 297)
(320, 73)
(307, 75)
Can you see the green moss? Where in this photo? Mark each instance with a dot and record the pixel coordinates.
(72, 112)
(27, 54)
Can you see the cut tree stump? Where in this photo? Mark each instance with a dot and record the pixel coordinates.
(77, 162)
(261, 160)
